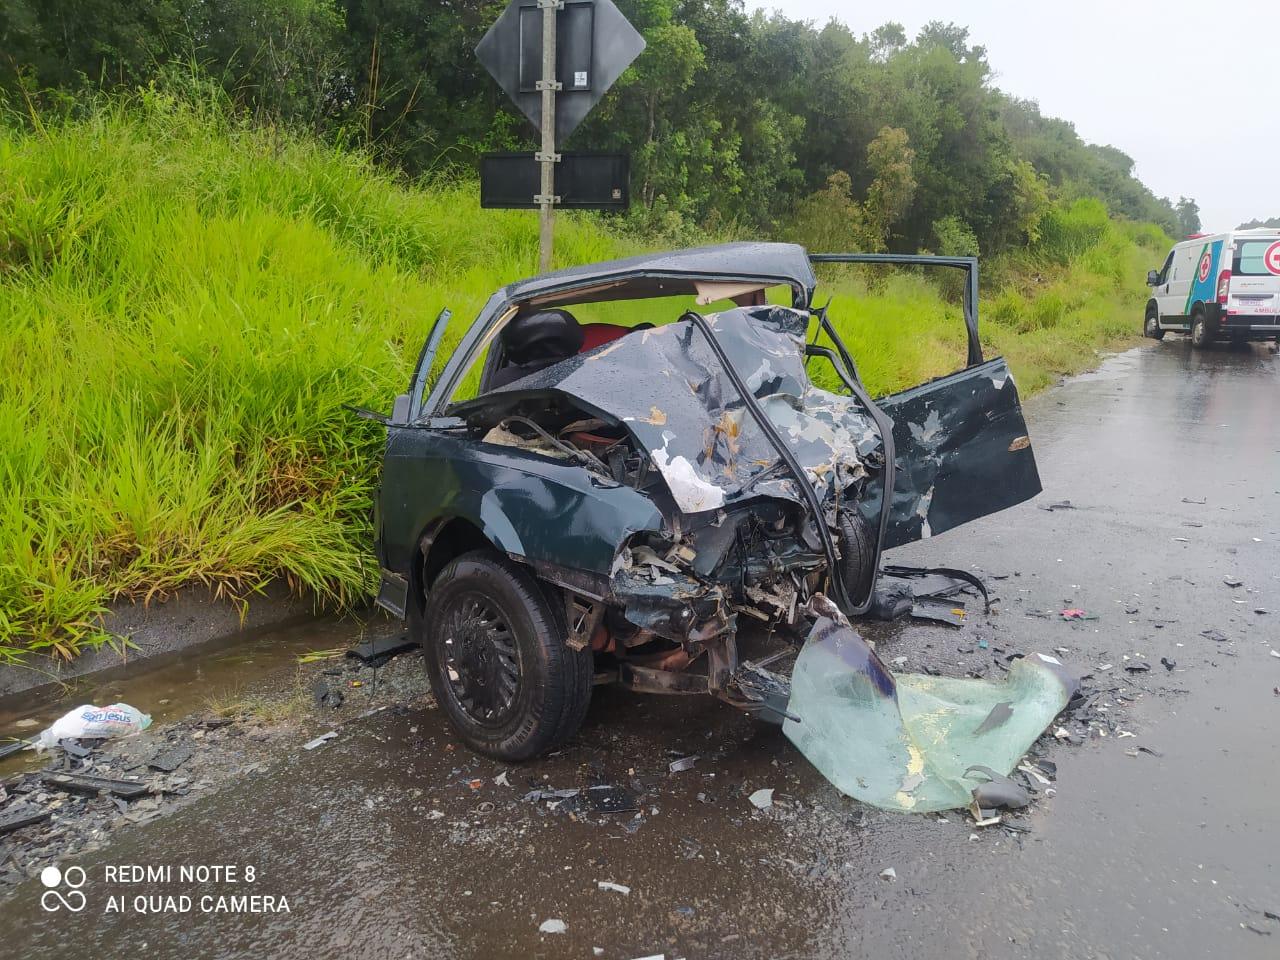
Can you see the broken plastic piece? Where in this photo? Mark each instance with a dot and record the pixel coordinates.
(906, 742)
(762, 799)
(376, 652)
(682, 764)
(997, 791)
(552, 926)
(615, 887)
(320, 740)
(610, 799)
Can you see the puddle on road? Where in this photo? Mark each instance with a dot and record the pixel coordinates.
(173, 685)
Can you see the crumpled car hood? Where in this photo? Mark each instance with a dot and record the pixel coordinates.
(666, 386)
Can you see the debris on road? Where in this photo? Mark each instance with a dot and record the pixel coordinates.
(888, 873)
(1058, 505)
(602, 798)
(320, 740)
(925, 593)
(615, 887)
(606, 798)
(534, 796)
(762, 799)
(21, 815)
(858, 722)
(93, 786)
(1167, 663)
(326, 696)
(378, 651)
(1075, 613)
(1213, 634)
(681, 764)
(996, 792)
(97, 723)
(552, 926)
(170, 758)
(1232, 582)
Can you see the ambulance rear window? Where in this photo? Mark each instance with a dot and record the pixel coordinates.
(1250, 259)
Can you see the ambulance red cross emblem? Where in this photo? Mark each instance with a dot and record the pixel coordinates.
(1271, 259)
(1206, 262)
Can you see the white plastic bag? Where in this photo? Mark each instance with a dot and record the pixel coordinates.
(88, 721)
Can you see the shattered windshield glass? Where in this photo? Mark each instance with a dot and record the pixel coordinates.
(911, 742)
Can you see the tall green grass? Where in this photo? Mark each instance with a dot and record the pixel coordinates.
(1049, 309)
(189, 301)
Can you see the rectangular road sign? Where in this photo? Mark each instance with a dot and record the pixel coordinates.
(583, 181)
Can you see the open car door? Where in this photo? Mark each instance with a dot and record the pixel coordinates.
(961, 449)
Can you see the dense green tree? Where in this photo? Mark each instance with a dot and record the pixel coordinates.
(733, 120)
(1188, 213)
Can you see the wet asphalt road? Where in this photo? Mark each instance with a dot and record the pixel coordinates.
(384, 849)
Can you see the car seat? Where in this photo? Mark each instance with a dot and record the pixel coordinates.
(534, 341)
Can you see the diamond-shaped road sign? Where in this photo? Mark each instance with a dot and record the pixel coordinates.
(594, 44)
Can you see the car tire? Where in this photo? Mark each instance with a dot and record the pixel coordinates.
(512, 687)
(1200, 338)
(1151, 326)
(857, 554)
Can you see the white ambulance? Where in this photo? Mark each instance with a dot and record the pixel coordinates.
(1222, 286)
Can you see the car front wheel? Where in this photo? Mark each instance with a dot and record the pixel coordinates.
(497, 659)
(1152, 326)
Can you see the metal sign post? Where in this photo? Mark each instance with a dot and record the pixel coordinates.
(591, 42)
(548, 158)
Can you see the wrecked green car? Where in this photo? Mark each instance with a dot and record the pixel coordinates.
(603, 484)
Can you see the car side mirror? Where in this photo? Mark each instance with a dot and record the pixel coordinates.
(1153, 278)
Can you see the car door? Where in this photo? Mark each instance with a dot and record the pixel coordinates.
(1255, 279)
(959, 443)
(961, 451)
(1173, 302)
(1160, 289)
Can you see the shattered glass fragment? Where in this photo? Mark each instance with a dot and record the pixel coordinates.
(910, 742)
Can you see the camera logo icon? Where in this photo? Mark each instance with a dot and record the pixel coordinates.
(54, 899)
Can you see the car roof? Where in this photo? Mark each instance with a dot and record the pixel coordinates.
(670, 273)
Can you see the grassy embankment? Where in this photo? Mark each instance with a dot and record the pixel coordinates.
(189, 302)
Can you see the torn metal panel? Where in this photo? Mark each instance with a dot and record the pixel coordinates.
(961, 450)
(911, 742)
(526, 505)
(658, 597)
(667, 388)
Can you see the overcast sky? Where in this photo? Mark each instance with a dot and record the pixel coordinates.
(1190, 90)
